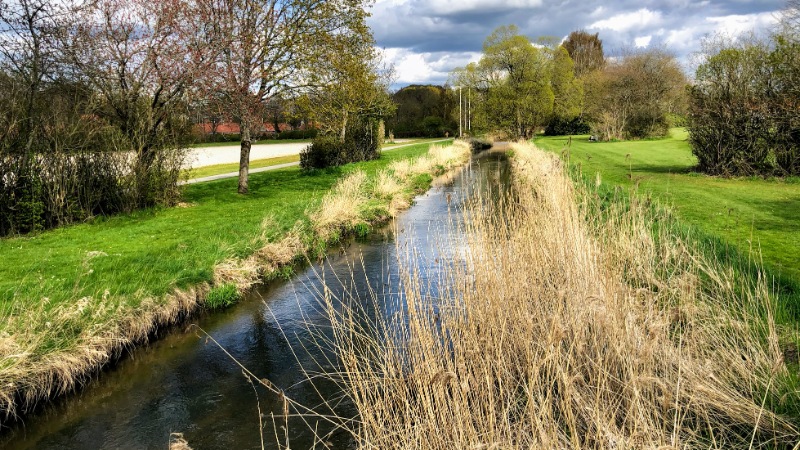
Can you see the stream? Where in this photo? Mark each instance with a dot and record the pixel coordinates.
(184, 382)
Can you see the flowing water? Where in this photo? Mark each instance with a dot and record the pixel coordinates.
(186, 383)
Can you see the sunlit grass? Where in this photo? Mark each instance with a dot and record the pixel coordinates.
(748, 213)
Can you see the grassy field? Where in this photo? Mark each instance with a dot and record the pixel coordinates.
(748, 213)
(217, 169)
(71, 297)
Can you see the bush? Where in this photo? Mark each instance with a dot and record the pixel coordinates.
(361, 144)
(559, 126)
(49, 190)
(298, 134)
(479, 145)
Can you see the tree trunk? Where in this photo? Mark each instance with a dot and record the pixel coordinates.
(343, 133)
(244, 159)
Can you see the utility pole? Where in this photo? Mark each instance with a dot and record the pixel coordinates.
(469, 111)
(460, 114)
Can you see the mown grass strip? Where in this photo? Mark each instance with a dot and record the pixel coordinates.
(747, 213)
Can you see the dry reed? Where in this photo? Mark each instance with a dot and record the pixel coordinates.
(564, 324)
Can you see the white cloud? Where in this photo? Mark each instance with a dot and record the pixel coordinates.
(636, 20)
(643, 41)
(417, 68)
(742, 23)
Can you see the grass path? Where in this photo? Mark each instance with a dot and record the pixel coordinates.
(744, 212)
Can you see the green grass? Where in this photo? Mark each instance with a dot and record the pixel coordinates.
(747, 213)
(149, 253)
(217, 169)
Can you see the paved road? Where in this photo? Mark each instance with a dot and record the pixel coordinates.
(275, 167)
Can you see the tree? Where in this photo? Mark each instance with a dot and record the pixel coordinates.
(631, 97)
(30, 53)
(519, 93)
(266, 44)
(586, 50)
(743, 113)
(567, 90)
(349, 83)
(416, 103)
(141, 57)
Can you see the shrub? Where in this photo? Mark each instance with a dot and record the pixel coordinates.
(324, 151)
(222, 296)
(559, 126)
(45, 191)
(298, 134)
(479, 145)
(361, 144)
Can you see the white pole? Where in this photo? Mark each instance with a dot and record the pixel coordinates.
(460, 114)
(469, 110)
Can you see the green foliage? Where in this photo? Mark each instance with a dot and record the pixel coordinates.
(743, 117)
(424, 111)
(298, 134)
(361, 143)
(222, 296)
(567, 90)
(566, 127)
(522, 98)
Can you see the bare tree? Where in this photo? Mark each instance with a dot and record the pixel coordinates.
(586, 50)
(29, 54)
(266, 46)
(141, 57)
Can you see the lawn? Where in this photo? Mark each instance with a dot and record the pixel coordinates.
(762, 214)
(149, 253)
(217, 169)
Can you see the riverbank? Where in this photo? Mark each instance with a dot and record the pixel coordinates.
(754, 215)
(74, 298)
(575, 317)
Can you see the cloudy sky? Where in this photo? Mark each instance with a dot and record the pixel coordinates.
(425, 39)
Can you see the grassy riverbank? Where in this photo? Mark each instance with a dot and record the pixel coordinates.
(72, 297)
(572, 318)
(748, 213)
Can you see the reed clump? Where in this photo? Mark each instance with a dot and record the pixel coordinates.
(567, 321)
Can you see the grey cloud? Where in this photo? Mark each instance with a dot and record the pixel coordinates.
(429, 27)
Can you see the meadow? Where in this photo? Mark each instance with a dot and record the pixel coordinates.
(756, 216)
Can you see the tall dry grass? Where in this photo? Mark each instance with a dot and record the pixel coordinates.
(567, 323)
